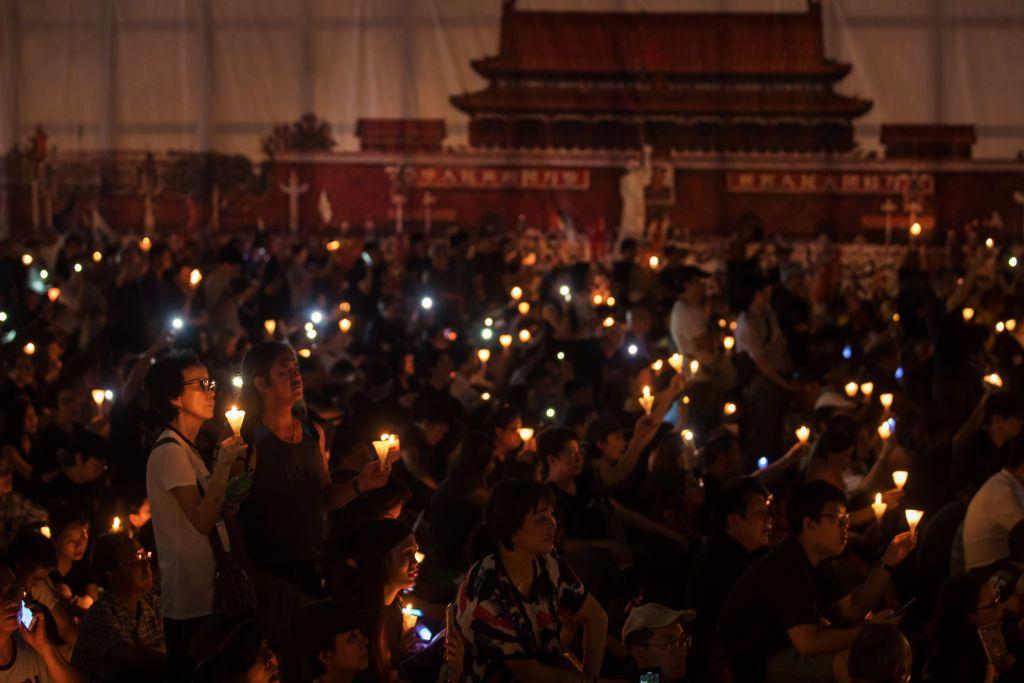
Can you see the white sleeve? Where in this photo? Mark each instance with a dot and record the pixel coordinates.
(173, 468)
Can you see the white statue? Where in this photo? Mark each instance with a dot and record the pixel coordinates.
(631, 188)
(293, 189)
(323, 205)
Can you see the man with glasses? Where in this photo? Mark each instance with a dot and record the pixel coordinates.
(655, 638)
(122, 636)
(39, 662)
(775, 626)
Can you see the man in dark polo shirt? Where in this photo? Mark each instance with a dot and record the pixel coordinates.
(742, 528)
(775, 625)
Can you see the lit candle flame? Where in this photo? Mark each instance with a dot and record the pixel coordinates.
(116, 526)
(879, 507)
(867, 388)
(26, 259)
(523, 307)
(653, 262)
(803, 433)
(234, 418)
(729, 408)
(270, 326)
(885, 400)
(195, 277)
(694, 367)
(913, 517)
(526, 433)
(968, 314)
(344, 324)
(915, 230)
(728, 342)
(97, 256)
(53, 293)
(608, 322)
(598, 299)
(333, 245)
(525, 336)
(505, 340)
(851, 389)
(676, 361)
(484, 355)
(994, 379)
(29, 349)
(45, 531)
(516, 293)
(885, 430)
(646, 400)
(657, 365)
(420, 557)
(687, 435)
(145, 244)
(98, 396)
(899, 477)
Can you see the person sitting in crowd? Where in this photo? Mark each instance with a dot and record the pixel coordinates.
(880, 654)
(35, 560)
(657, 641)
(773, 625)
(513, 603)
(329, 645)
(967, 603)
(984, 452)
(16, 511)
(993, 511)
(72, 576)
(26, 653)
(122, 637)
(232, 650)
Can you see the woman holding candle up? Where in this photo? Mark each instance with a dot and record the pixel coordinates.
(186, 499)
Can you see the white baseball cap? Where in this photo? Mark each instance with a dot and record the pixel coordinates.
(652, 615)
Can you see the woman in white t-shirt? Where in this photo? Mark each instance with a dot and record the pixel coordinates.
(184, 513)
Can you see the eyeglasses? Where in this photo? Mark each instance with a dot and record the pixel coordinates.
(683, 642)
(841, 518)
(205, 384)
(142, 559)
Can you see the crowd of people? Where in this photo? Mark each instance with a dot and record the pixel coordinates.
(480, 458)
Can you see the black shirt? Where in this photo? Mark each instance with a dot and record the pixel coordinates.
(778, 592)
(717, 567)
(977, 460)
(457, 518)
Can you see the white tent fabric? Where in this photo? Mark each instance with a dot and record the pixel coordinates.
(196, 74)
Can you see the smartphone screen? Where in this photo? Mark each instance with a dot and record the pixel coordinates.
(650, 676)
(25, 616)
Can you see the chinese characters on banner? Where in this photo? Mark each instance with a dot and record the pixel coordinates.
(822, 182)
(484, 178)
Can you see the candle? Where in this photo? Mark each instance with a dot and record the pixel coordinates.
(195, 277)
(657, 365)
(686, 434)
(382, 447)
(1011, 325)
(29, 349)
(676, 361)
(885, 430)
(486, 396)
(53, 293)
(237, 381)
(525, 336)
(98, 396)
(505, 340)
(598, 299)
(967, 313)
(305, 353)
(899, 477)
(851, 389)
(419, 557)
(516, 293)
(646, 400)
(45, 531)
(915, 230)
(879, 507)
(393, 444)
(525, 433)
(1000, 326)
(694, 367)
(728, 342)
(270, 326)
(990, 243)
(729, 408)
(803, 433)
(333, 245)
(26, 259)
(994, 379)
(234, 418)
(653, 262)
(484, 355)
(608, 322)
(523, 307)
(913, 517)
(145, 244)
(866, 388)
(97, 256)
(116, 526)
(610, 301)
(885, 400)
(345, 307)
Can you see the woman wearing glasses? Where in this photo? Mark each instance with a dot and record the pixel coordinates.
(185, 497)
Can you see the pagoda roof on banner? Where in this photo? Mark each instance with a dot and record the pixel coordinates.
(674, 45)
(769, 103)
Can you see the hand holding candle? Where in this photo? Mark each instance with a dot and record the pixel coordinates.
(235, 418)
(382, 447)
(885, 430)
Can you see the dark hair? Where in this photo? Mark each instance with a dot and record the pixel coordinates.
(719, 442)
(1002, 404)
(552, 440)
(500, 418)
(315, 631)
(1016, 542)
(165, 380)
(878, 654)
(472, 457)
(835, 439)
(62, 516)
(510, 503)
(30, 550)
(958, 600)
(808, 501)
(105, 554)
(388, 496)
(225, 648)
(734, 499)
(257, 362)
(578, 415)
(14, 421)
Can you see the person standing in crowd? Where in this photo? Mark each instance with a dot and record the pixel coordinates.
(186, 499)
(993, 511)
(122, 637)
(513, 603)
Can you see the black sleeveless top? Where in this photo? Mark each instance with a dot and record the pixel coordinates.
(284, 518)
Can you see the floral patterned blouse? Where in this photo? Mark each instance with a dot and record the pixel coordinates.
(500, 624)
